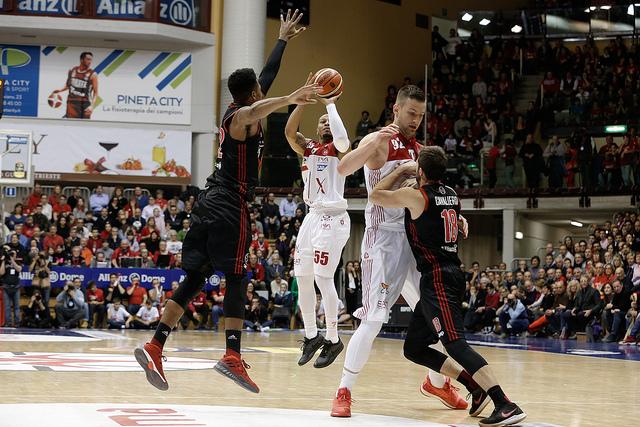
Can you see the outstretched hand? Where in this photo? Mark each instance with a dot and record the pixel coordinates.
(304, 95)
(288, 25)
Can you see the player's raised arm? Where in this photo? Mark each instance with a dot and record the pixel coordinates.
(288, 31)
(339, 132)
(261, 109)
(297, 140)
(372, 145)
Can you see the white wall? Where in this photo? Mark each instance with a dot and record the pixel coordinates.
(536, 235)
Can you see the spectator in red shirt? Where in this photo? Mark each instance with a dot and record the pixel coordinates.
(160, 200)
(54, 199)
(628, 158)
(53, 239)
(34, 198)
(201, 309)
(137, 296)
(550, 85)
(255, 270)
(260, 244)
(218, 303)
(123, 251)
(163, 258)
(94, 242)
(95, 299)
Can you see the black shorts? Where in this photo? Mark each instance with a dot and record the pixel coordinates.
(220, 233)
(440, 307)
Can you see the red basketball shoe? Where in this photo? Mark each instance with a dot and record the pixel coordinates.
(342, 404)
(448, 394)
(233, 367)
(150, 359)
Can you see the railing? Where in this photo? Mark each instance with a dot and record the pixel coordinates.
(193, 14)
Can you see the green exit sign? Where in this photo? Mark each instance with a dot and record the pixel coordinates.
(615, 129)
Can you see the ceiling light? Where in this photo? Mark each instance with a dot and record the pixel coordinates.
(485, 22)
(576, 223)
(592, 8)
(630, 10)
(519, 235)
(467, 17)
(605, 7)
(516, 29)
(587, 10)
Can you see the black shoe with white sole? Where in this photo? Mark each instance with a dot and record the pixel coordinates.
(309, 348)
(504, 415)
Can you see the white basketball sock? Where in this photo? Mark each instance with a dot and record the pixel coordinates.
(437, 380)
(307, 303)
(330, 302)
(358, 352)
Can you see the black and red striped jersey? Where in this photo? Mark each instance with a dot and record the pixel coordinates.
(238, 162)
(433, 236)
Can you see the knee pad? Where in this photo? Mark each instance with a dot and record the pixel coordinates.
(462, 353)
(234, 296)
(189, 288)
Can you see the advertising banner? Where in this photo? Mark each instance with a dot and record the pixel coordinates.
(19, 71)
(121, 85)
(60, 275)
(105, 151)
(116, 85)
(177, 12)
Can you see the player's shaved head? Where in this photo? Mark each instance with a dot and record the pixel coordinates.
(432, 161)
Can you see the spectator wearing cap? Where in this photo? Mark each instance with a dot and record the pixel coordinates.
(98, 200)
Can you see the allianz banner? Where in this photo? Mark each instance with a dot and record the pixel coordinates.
(60, 275)
(115, 85)
(177, 12)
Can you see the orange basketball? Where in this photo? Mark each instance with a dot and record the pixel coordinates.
(330, 80)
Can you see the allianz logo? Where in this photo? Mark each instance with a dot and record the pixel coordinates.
(68, 7)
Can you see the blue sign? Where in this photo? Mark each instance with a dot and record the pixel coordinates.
(19, 69)
(60, 275)
(10, 191)
(177, 12)
(49, 7)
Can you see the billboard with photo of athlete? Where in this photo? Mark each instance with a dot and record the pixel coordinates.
(123, 85)
(110, 152)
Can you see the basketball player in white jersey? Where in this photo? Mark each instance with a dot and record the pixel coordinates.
(324, 231)
(387, 260)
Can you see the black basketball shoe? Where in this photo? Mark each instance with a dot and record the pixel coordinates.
(504, 415)
(328, 354)
(479, 401)
(309, 348)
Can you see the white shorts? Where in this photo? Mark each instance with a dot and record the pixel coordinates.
(320, 242)
(388, 270)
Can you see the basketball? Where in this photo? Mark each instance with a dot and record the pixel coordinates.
(55, 100)
(330, 80)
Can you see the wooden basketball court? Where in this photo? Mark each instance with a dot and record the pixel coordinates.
(575, 385)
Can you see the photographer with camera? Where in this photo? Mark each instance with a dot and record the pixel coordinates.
(10, 269)
(41, 267)
(513, 316)
(36, 314)
(69, 307)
